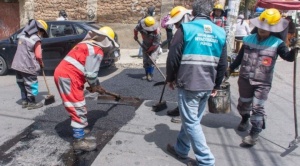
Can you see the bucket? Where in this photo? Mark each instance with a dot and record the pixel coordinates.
(221, 103)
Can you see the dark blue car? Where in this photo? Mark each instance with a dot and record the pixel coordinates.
(63, 36)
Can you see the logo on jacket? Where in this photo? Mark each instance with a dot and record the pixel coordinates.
(207, 29)
(267, 61)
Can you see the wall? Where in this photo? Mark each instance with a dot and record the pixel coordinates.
(9, 20)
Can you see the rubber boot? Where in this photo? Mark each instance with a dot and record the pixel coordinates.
(244, 124)
(146, 74)
(251, 139)
(32, 104)
(24, 104)
(149, 77)
(150, 73)
(174, 112)
(81, 142)
(84, 144)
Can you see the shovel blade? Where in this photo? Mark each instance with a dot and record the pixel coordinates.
(122, 100)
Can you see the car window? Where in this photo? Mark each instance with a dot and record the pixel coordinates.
(79, 30)
(59, 30)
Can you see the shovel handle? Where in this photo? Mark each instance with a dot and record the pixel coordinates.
(294, 94)
(152, 60)
(117, 96)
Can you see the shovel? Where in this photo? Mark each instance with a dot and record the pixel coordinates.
(152, 61)
(114, 98)
(161, 105)
(294, 143)
(49, 98)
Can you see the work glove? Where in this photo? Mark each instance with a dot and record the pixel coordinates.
(228, 73)
(97, 89)
(295, 42)
(136, 38)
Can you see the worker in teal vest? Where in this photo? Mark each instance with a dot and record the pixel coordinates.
(257, 59)
(196, 64)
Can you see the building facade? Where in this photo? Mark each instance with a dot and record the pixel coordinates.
(18, 12)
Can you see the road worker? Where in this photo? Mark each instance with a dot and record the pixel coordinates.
(217, 15)
(28, 61)
(257, 59)
(178, 15)
(150, 32)
(81, 65)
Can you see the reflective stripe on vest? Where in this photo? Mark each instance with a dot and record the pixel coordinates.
(77, 64)
(200, 60)
(74, 104)
(28, 39)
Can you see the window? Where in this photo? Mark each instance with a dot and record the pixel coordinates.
(79, 30)
(61, 30)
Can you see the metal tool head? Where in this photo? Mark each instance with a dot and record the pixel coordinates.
(159, 106)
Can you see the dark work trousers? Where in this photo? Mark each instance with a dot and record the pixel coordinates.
(169, 38)
(28, 85)
(252, 98)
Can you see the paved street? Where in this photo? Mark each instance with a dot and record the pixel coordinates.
(128, 135)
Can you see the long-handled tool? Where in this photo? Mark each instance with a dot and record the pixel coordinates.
(297, 138)
(161, 105)
(114, 98)
(152, 60)
(49, 98)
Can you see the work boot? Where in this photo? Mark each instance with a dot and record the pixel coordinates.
(24, 104)
(149, 77)
(174, 112)
(34, 105)
(176, 119)
(251, 139)
(144, 78)
(192, 163)
(171, 149)
(84, 144)
(244, 124)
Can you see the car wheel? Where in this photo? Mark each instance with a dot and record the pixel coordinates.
(3, 67)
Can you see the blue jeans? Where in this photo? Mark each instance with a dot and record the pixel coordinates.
(191, 107)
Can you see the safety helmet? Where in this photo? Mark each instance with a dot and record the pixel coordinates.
(270, 20)
(149, 21)
(270, 16)
(177, 14)
(149, 24)
(108, 31)
(44, 26)
(218, 7)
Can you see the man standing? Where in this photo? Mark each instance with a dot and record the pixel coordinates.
(28, 61)
(196, 62)
(257, 59)
(81, 65)
(150, 32)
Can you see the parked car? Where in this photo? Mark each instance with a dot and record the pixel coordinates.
(63, 36)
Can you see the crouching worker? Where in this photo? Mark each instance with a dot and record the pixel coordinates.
(257, 59)
(28, 61)
(150, 32)
(81, 65)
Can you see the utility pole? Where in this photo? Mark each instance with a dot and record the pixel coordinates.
(233, 6)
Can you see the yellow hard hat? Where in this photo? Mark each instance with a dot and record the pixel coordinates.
(177, 14)
(44, 25)
(270, 20)
(270, 16)
(108, 31)
(149, 21)
(177, 10)
(218, 7)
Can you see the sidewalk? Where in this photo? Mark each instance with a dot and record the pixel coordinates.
(129, 59)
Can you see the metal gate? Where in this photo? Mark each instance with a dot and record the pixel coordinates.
(9, 18)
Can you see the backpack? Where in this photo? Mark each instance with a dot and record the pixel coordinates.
(164, 21)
